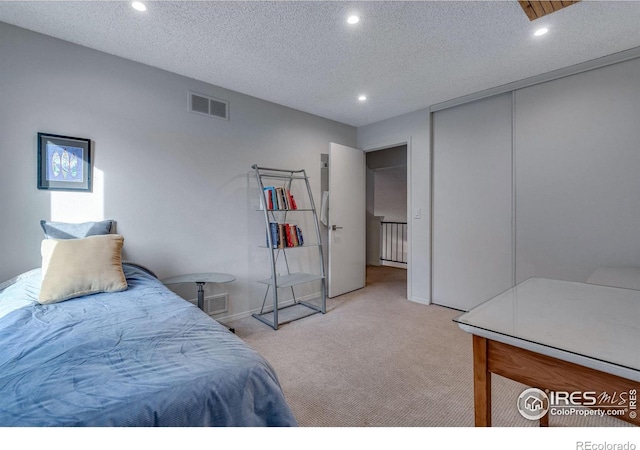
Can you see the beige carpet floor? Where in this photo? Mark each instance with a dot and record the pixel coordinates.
(376, 359)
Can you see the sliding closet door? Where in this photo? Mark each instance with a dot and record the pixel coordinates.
(577, 154)
(472, 202)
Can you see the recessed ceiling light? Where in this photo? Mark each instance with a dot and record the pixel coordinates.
(362, 98)
(541, 31)
(139, 6)
(352, 20)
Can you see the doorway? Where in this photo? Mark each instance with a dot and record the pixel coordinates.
(387, 234)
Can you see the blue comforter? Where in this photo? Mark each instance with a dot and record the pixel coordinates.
(142, 357)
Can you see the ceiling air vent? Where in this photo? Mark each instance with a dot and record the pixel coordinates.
(209, 106)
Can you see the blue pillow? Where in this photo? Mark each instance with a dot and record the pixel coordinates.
(62, 230)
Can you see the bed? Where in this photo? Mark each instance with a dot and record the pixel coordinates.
(139, 357)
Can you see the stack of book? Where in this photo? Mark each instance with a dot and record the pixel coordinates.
(285, 235)
(279, 198)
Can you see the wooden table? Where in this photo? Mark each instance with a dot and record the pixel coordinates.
(560, 337)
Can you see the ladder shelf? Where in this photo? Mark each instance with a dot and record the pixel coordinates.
(282, 237)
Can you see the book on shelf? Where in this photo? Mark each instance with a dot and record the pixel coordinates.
(273, 230)
(278, 199)
(269, 197)
(292, 239)
(287, 234)
(282, 200)
(294, 232)
(300, 238)
(284, 235)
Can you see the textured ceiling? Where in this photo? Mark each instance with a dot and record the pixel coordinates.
(404, 56)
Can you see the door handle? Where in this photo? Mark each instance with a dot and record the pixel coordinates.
(334, 227)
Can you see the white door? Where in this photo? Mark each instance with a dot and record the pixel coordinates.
(347, 234)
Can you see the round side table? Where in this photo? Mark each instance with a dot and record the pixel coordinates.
(201, 279)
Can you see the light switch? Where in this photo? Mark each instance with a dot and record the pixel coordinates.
(417, 213)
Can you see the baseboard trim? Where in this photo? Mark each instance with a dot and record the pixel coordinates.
(420, 300)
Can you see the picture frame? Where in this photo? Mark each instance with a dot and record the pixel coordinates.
(64, 163)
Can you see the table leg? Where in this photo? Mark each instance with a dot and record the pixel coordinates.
(201, 301)
(544, 420)
(481, 383)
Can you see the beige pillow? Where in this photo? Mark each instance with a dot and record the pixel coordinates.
(76, 267)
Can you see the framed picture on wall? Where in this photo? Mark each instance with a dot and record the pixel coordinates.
(64, 163)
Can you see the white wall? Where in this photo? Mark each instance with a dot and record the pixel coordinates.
(179, 184)
(413, 129)
(388, 184)
(390, 194)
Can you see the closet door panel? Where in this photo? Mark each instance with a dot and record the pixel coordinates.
(472, 202)
(577, 160)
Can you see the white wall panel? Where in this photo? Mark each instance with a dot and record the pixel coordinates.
(577, 159)
(472, 202)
